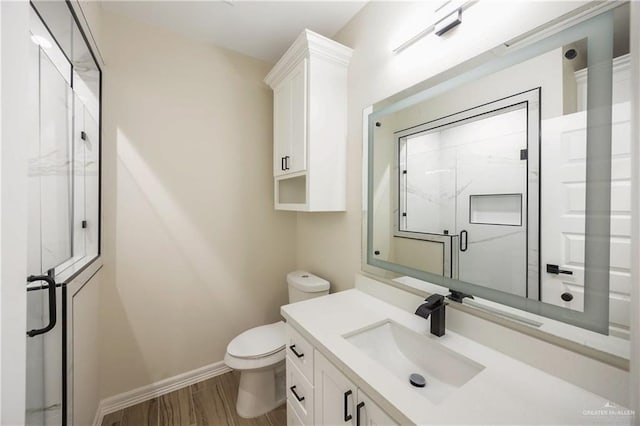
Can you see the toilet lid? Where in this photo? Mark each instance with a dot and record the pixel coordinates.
(259, 341)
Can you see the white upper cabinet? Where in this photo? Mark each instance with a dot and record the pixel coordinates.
(310, 124)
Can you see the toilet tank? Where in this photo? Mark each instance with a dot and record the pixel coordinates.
(304, 285)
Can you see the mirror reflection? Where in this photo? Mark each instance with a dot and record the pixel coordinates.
(495, 181)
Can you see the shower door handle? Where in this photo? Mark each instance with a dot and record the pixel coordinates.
(555, 269)
(51, 285)
(464, 238)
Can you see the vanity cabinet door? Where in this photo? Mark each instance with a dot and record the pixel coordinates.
(290, 122)
(335, 395)
(369, 414)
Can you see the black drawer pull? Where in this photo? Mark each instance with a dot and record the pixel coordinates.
(293, 391)
(358, 408)
(293, 349)
(347, 416)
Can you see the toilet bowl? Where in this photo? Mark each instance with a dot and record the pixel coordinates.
(259, 353)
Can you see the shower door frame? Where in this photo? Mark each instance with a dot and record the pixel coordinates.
(530, 100)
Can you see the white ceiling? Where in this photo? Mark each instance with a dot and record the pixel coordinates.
(261, 29)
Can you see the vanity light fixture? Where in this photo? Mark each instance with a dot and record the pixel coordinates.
(448, 23)
(446, 17)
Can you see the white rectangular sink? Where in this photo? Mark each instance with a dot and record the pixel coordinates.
(403, 352)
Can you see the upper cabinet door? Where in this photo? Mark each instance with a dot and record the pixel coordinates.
(281, 123)
(290, 122)
(298, 152)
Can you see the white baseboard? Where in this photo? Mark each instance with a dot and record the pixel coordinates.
(154, 390)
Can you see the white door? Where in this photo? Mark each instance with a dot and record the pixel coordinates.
(334, 396)
(369, 414)
(563, 212)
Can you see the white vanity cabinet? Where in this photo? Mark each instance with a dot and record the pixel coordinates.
(309, 87)
(319, 394)
(339, 402)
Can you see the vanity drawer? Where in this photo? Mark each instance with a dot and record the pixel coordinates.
(292, 416)
(299, 393)
(300, 352)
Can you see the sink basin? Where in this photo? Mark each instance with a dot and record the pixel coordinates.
(403, 352)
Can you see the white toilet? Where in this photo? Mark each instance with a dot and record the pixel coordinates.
(259, 353)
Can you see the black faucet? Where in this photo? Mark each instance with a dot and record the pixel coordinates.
(434, 306)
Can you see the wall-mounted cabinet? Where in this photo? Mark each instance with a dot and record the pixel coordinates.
(310, 124)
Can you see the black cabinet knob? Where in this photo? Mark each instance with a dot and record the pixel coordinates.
(377, 252)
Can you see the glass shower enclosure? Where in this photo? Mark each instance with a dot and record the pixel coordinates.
(63, 197)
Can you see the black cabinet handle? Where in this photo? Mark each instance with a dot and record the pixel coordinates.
(555, 269)
(358, 408)
(282, 163)
(293, 349)
(293, 391)
(51, 285)
(347, 416)
(286, 162)
(464, 237)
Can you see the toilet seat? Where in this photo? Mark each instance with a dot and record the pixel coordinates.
(258, 342)
(259, 347)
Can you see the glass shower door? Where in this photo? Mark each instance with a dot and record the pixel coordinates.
(49, 233)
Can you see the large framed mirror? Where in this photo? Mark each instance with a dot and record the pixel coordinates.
(509, 178)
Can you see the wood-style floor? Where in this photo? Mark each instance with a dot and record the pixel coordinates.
(208, 403)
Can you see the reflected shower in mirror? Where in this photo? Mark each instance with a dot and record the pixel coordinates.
(491, 182)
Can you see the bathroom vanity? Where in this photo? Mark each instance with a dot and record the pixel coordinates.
(350, 355)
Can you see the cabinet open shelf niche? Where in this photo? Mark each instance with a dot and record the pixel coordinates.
(291, 192)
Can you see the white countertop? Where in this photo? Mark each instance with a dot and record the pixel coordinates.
(506, 391)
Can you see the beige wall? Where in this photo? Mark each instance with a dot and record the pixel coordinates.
(194, 251)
